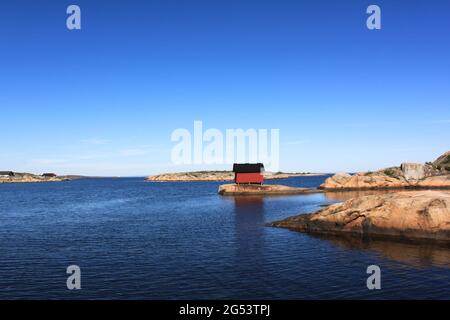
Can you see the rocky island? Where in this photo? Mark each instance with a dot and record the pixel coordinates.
(266, 189)
(407, 214)
(430, 175)
(19, 177)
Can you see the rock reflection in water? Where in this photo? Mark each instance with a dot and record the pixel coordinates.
(417, 254)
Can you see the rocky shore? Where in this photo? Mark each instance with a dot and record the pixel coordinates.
(265, 189)
(33, 178)
(432, 175)
(216, 176)
(407, 214)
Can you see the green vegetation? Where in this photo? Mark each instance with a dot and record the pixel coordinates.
(390, 172)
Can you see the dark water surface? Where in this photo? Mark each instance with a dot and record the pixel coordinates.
(135, 239)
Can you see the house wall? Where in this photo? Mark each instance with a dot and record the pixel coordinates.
(249, 178)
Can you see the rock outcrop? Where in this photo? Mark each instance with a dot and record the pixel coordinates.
(407, 214)
(367, 181)
(32, 178)
(407, 175)
(362, 181)
(266, 189)
(443, 162)
(413, 171)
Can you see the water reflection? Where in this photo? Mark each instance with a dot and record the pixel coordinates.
(418, 254)
(249, 204)
(249, 217)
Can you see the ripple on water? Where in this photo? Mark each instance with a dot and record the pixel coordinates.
(183, 241)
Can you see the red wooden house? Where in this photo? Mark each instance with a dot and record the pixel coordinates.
(248, 173)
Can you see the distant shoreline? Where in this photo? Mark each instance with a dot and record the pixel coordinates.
(220, 176)
(24, 177)
(192, 176)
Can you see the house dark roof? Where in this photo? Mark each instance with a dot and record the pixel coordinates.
(248, 167)
(6, 173)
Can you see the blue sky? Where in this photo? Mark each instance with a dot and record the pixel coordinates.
(104, 100)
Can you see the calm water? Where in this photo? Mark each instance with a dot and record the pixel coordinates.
(134, 239)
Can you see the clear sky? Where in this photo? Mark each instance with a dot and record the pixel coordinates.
(105, 99)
